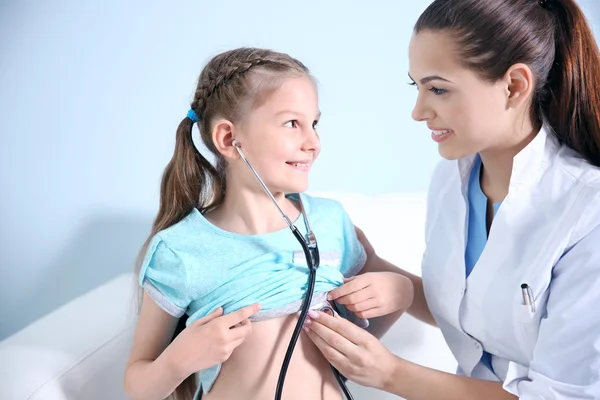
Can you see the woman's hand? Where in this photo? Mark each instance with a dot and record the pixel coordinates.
(354, 352)
(210, 340)
(374, 294)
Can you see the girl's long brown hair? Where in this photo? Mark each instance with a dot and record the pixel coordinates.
(229, 86)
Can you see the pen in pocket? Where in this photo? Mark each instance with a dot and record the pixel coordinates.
(527, 296)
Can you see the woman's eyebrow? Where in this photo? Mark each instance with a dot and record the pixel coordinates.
(430, 78)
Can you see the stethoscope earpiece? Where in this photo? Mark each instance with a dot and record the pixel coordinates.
(235, 143)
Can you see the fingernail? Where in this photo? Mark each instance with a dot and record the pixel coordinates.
(313, 314)
(306, 329)
(329, 297)
(307, 321)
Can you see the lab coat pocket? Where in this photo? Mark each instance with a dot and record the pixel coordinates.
(528, 329)
(529, 324)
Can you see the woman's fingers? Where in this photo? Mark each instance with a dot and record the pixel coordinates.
(332, 338)
(330, 353)
(356, 353)
(329, 325)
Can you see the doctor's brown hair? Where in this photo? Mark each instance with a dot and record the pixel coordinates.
(230, 86)
(552, 37)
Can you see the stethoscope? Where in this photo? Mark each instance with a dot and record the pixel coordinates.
(311, 252)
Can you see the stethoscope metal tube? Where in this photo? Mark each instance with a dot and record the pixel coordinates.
(237, 146)
(311, 253)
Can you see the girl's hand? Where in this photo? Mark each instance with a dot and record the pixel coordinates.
(374, 294)
(210, 340)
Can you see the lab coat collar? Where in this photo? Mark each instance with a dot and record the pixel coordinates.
(528, 164)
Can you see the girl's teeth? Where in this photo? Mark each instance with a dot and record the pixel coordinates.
(438, 133)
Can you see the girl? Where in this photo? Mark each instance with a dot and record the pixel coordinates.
(221, 253)
(511, 270)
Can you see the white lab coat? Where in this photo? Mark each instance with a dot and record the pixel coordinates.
(546, 233)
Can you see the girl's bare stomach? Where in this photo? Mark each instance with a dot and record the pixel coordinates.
(253, 369)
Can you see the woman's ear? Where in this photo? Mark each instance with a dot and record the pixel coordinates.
(223, 134)
(520, 84)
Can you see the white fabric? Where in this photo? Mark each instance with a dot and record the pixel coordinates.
(546, 233)
(76, 352)
(79, 351)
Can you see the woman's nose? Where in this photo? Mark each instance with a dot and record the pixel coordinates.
(421, 112)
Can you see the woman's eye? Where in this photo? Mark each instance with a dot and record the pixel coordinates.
(433, 89)
(436, 91)
(315, 123)
(291, 124)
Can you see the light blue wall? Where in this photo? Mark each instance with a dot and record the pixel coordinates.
(91, 94)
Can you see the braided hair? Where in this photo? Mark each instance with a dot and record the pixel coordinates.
(229, 86)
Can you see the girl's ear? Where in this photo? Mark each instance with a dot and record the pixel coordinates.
(223, 135)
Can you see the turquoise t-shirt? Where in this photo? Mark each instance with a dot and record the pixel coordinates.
(194, 267)
(477, 230)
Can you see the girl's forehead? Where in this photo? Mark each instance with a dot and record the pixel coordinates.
(294, 96)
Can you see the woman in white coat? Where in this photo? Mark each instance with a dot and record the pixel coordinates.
(511, 271)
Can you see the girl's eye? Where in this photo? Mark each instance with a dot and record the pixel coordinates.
(291, 124)
(315, 123)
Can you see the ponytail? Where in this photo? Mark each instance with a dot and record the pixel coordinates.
(552, 37)
(189, 181)
(572, 107)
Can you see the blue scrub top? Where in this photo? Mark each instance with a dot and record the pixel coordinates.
(477, 230)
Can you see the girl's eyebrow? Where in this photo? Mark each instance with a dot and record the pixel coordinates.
(296, 113)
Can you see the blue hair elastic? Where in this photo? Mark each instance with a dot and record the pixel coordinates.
(192, 115)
